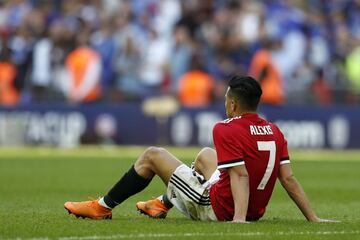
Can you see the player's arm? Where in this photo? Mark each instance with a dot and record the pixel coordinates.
(239, 180)
(297, 194)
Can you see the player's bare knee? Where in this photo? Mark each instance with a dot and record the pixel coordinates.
(200, 155)
(152, 153)
(206, 155)
(145, 162)
(207, 149)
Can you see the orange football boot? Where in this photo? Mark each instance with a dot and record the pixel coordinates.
(88, 209)
(153, 208)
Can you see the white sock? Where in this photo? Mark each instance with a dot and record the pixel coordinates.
(102, 203)
(160, 198)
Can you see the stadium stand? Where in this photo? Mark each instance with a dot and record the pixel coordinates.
(146, 46)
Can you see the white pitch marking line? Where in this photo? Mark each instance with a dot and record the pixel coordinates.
(168, 235)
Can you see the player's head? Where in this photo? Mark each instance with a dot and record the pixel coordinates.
(242, 95)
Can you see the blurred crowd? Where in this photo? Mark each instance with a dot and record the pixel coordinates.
(84, 51)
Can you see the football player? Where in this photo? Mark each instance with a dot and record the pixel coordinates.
(232, 183)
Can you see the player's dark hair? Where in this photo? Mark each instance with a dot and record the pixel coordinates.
(246, 90)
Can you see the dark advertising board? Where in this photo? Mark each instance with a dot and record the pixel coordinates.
(62, 125)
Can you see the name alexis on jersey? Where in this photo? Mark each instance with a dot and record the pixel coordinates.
(260, 130)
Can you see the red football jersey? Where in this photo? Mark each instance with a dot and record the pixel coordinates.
(258, 144)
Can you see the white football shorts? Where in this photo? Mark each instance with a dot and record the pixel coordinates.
(189, 192)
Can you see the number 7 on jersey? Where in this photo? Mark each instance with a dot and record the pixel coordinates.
(267, 146)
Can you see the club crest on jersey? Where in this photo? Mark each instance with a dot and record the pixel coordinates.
(260, 130)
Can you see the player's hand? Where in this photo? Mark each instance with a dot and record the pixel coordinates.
(239, 221)
(321, 220)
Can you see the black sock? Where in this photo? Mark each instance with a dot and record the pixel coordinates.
(130, 184)
(166, 201)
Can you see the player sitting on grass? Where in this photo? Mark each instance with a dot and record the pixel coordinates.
(233, 183)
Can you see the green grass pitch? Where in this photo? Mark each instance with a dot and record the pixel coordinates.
(35, 183)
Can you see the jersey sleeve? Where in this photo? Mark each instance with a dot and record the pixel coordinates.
(228, 154)
(285, 159)
(284, 155)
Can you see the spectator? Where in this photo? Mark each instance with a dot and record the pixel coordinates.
(21, 46)
(84, 72)
(169, 12)
(42, 70)
(263, 68)
(127, 80)
(48, 70)
(103, 42)
(159, 37)
(196, 87)
(353, 69)
(17, 11)
(181, 55)
(153, 63)
(9, 95)
(352, 13)
(321, 90)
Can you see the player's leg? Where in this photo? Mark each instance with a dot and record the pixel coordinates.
(205, 164)
(157, 161)
(154, 161)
